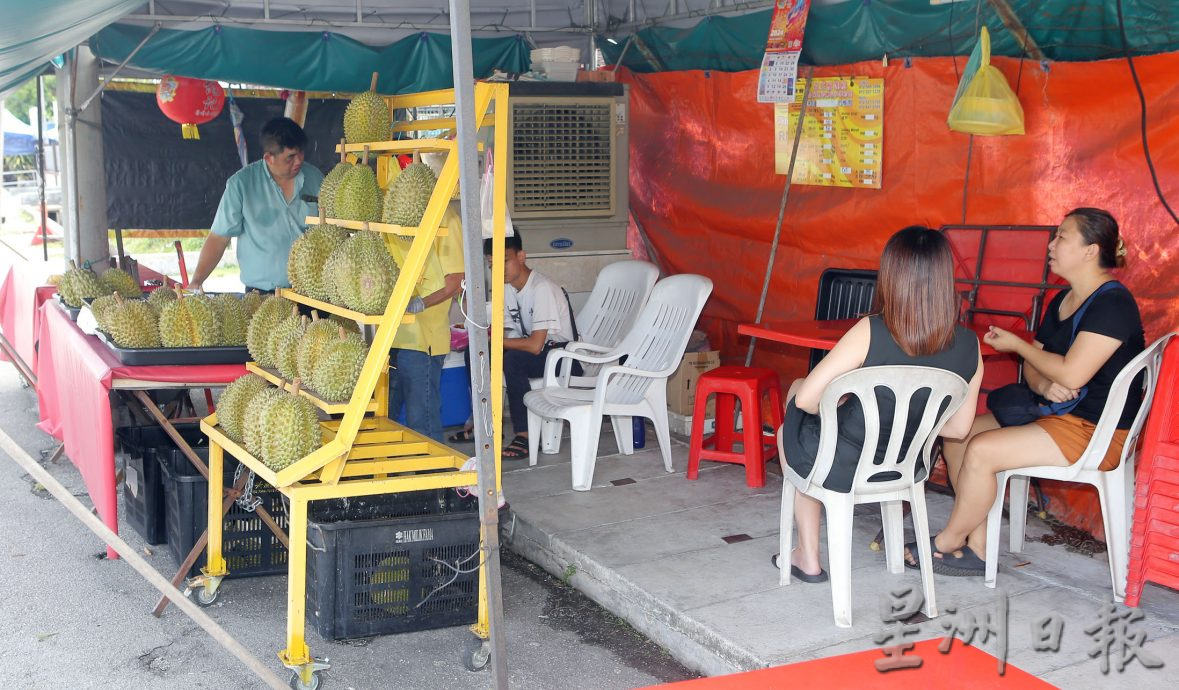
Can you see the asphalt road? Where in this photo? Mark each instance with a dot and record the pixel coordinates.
(72, 619)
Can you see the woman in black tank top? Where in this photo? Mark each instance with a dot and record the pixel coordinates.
(914, 324)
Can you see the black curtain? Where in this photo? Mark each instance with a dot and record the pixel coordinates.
(157, 180)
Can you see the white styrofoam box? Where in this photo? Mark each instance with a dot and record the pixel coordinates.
(560, 71)
(682, 424)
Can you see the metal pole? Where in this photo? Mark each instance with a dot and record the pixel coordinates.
(464, 101)
(41, 167)
(765, 285)
(119, 68)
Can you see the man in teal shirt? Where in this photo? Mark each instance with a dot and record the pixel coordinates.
(265, 206)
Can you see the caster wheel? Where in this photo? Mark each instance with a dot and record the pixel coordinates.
(477, 655)
(297, 684)
(203, 598)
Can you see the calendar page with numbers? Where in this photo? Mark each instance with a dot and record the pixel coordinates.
(842, 142)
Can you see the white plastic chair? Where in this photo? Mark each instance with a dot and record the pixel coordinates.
(1115, 488)
(621, 290)
(947, 391)
(653, 349)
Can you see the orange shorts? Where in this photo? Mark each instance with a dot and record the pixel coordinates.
(1071, 434)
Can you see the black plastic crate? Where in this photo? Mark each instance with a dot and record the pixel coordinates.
(143, 486)
(386, 564)
(249, 547)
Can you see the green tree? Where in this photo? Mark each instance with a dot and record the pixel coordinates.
(18, 102)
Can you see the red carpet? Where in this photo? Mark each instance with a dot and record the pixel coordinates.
(963, 667)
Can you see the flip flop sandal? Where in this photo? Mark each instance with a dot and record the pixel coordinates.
(464, 436)
(516, 450)
(798, 573)
(966, 565)
(915, 564)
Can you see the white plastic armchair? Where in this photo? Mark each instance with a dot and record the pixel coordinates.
(1115, 488)
(888, 483)
(621, 290)
(653, 349)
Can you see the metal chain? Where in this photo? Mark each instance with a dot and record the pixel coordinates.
(247, 501)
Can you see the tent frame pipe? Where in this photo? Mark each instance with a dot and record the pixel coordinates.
(485, 416)
(321, 23)
(102, 87)
(41, 166)
(765, 285)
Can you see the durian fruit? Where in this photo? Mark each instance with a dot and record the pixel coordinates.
(408, 195)
(254, 419)
(345, 323)
(250, 302)
(80, 284)
(189, 322)
(331, 183)
(101, 306)
(232, 315)
(284, 344)
(233, 403)
(334, 375)
(358, 197)
(308, 351)
(132, 324)
(272, 311)
(368, 117)
(120, 281)
(289, 430)
(308, 255)
(365, 273)
(161, 296)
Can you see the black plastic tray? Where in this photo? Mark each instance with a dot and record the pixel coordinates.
(169, 356)
(71, 311)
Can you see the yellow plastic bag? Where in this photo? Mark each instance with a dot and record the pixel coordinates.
(985, 104)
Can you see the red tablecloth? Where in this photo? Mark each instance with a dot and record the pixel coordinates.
(22, 292)
(75, 376)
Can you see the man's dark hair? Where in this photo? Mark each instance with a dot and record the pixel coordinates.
(282, 133)
(510, 242)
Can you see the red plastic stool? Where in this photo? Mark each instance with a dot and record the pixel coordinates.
(730, 384)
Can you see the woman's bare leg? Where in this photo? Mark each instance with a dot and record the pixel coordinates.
(807, 512)
(988, 454)
(954, 451)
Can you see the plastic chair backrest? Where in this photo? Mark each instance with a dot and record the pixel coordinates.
(1148, 361)
(844, 293)
(656, 342)
(946, 392)
(621, 290)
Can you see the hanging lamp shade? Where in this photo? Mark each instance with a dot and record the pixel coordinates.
(190, 102)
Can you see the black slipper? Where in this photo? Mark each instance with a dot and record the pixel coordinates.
(911, 547)
(464, 436)
(966, 565)
(516, 450)
(798, 572)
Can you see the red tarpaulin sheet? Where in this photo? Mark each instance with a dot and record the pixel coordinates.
(22, 291)
(703, 186)
(75, 377)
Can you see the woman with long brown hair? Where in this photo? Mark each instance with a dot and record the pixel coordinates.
(915, 324)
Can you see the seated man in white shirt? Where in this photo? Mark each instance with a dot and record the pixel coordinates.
(537, 318)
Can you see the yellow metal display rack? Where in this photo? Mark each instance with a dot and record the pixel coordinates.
(365, 454)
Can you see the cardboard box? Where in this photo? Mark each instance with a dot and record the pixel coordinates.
(681, 387)
(599, 75)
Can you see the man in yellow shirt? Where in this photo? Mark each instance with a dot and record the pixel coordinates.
(415, 362)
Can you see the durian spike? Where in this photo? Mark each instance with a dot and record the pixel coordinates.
(372, 86)
(295, 386)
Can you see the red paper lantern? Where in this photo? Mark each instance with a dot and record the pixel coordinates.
(190, 102)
